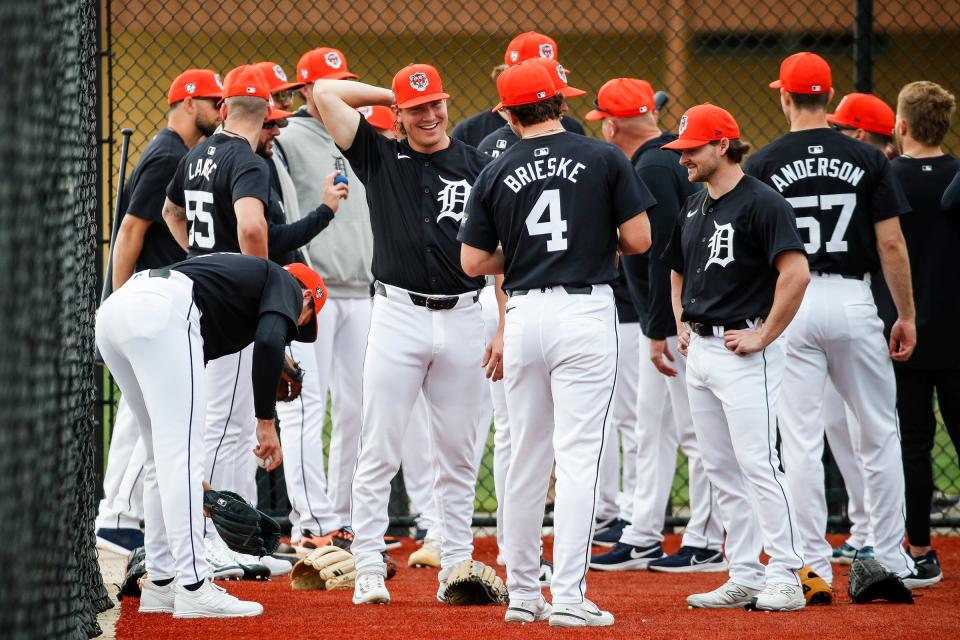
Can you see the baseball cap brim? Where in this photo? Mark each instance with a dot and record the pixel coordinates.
(688, 143)
(424, 99)
(286, 86)
(277, 114)
(571, 92)
(833, 119)
(597, 114)
(776, 84)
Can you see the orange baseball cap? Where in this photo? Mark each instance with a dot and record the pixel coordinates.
(559, 76)
(703, 124)
(623, 98)
(864, 111)
(417, 84)
(311, 281)
(804, 72)
(379, 117)
(276, 77)
(323, 63)
(276, 113)
(530, 45)
(524, 83)
(195, 83)
(245, 80)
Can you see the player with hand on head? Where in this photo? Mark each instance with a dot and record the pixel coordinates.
(550, 214)
(140, 244)
(426, 332)
(193, 312)
(627, 109)
(526, 46)
(739, 273)
(847, 203)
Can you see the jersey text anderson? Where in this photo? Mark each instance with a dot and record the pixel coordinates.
(541, 170)
(812, 167)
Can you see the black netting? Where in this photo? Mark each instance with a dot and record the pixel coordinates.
(695, 50)
(50, 582)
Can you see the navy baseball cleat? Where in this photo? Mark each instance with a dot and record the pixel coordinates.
(926, 573)
(610, 535)
(690, 560)
(846, 553)
(626, 557)
(119, 540)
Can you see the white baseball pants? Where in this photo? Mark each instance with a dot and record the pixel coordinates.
(560, 366)
(417, 466)
(122, 504)
(148, 332)
(409, 349)
(837, 332)
(733, 403)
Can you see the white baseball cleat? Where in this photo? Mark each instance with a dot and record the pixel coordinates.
(729, 595)
(223, 566)
(779, 596)
(156, 599)
(585, 614)
(212, 601)
(277, 566)
(525, 611)
(370, 589)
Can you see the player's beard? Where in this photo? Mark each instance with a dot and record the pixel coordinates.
(265, 148)
(207, 126)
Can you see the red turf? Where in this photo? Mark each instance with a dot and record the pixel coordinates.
(646, 605)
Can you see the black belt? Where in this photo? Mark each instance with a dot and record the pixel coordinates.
(587, 290)
(845, 276)
(160, 273)
(433, 303)
(706, 330)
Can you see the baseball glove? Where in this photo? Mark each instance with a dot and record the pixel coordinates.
(327, 569)
(291, 380)
(870, 581)
(136, 569)
(815, 589)
(242, 527)
(472, 582)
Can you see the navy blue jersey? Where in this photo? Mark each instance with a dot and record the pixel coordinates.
(839, 188)
(726, 249)
(498, 141)
(416, 204)
(555, 203)
(210, 178)
(477, 127)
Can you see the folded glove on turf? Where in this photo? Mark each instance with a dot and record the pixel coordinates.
(870, 581)
(242, 527)
(472, 582)
(327, 569)
(136, 569)
(815, 589)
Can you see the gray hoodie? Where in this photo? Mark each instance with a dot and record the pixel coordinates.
(343, 253)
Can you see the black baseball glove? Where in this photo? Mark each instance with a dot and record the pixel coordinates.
(136, 569)
(870, 581)
(291, 380)
(242, 527)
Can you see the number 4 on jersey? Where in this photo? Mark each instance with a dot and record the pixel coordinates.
(555, 226)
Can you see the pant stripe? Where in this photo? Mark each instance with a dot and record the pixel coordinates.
(303, 473)
(233, 398)
(907, 558)
(133, 489)
(356, 462)
(190, 488)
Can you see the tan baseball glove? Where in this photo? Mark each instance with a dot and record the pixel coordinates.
(327, 569)
(473, 582)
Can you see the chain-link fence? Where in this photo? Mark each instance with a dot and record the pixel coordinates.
(725, 52)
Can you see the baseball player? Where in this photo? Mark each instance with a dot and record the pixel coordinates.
(627, 108)
(867, 118)
(555, 203)
(426, 332)
(847, 204)
(194, 312)
(525, 46)
(739, 273)
(141, 244)
(280, 87)
(924, 112)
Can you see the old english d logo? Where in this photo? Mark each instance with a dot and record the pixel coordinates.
(721, 245)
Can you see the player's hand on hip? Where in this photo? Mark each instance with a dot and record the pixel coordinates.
(744, 341)
(683, 336)
(268, 445)
(334, 192)
(903, 339)
(493, 357)
(659, 354)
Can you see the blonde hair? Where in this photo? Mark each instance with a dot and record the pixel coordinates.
(927, 108)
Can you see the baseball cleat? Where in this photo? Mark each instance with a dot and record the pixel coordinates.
(729, 595)
(390, 542)
(121, 541)
(442, 592)
(626, 557)
(156, 599)
(816, 590)
(845, 553)
(223, 566)
(211, 601)
(426, 556)
(526, 611)
(585, 614)
(600, 524)
(370, 589)
(277, 566)
(610, 535)
(778, 596)
(546, 572)
(926, 572)
(690, 560)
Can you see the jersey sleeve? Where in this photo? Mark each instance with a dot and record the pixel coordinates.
(630, 195)
(175, 187)
(146, 198)
(888, 200)
(281, 295)
(251, 180)
(672, 254)
(365, 153)
(477, 229)
(775, 225)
